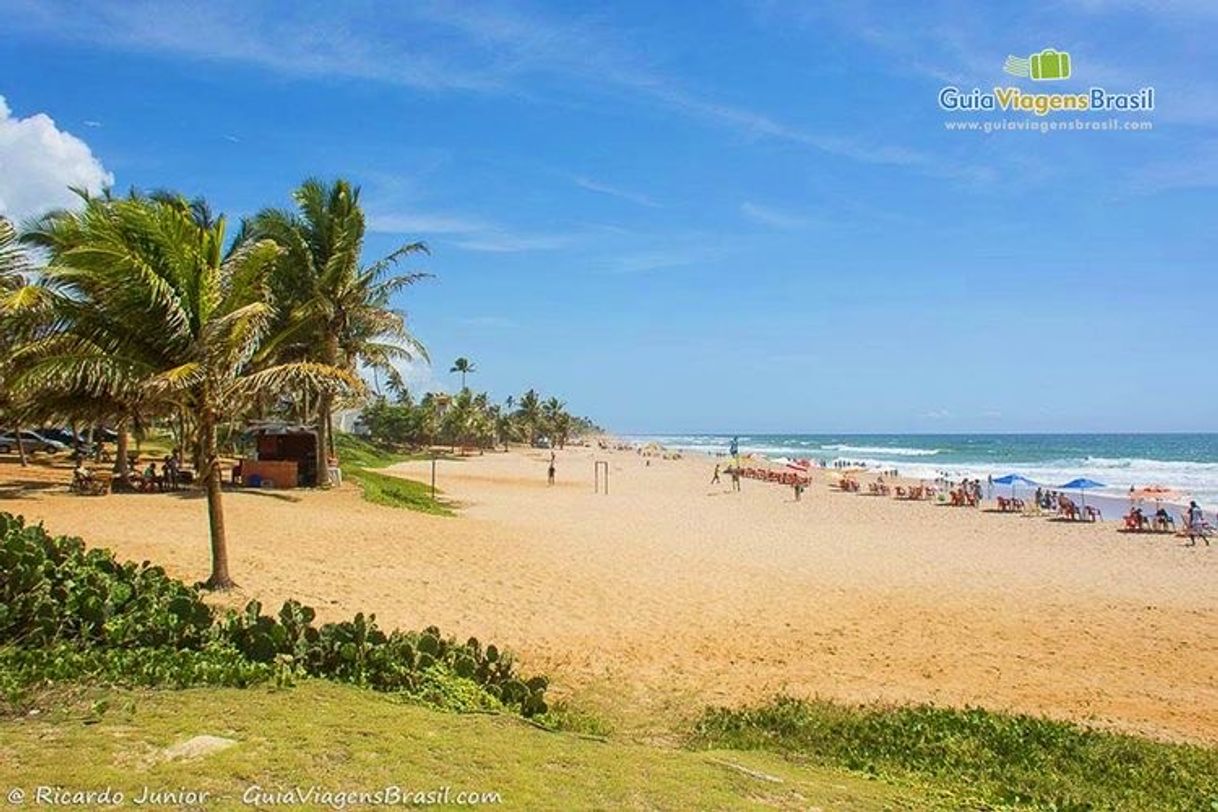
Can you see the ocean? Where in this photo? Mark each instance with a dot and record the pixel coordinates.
(1185, 462)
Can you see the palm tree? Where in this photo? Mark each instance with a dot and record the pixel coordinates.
(553, 413)
(464, 366)
(333, 310)
(529, 414)
(460, 418)
(14, 266)
(153, 308)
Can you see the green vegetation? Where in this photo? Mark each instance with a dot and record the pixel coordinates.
(359, 453)
(151, 315)
(471, 420)
(394, 491)
(155, 311)
(333, 311)
(359, 457)
(984, 759)
(340, 737)
(81, 634)
(67, 613)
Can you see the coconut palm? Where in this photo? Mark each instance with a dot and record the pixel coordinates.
(153, 310)
(14, 284)
(333, 310)
(557, 421)
(529, 415)
(464, 366)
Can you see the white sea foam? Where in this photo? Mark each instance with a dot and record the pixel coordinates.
(1193, 480)
(886, 450)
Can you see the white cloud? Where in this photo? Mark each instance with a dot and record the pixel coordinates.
(484, 48)
(469, 233)
(38, 162)
(612, 191)
(420, 377)
(775, 218)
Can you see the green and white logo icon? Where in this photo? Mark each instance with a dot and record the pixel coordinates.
(1048, 65)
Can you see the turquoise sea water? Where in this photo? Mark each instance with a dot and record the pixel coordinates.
(1186, 462)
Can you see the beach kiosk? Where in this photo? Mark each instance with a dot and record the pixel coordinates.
(285, 456)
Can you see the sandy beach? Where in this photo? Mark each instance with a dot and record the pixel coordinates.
(668, 593)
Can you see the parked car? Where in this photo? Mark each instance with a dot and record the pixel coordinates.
(65, 436)
(31, 442)
(101, 434)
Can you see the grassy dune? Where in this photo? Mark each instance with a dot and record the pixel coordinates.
(343, 738)
(984, 759)
(360, 459)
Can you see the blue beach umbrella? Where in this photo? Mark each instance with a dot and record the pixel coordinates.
(1013, 480)
(1082, 485)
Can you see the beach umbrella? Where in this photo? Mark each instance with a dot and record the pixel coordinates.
(1013, 480)
(1082, 485)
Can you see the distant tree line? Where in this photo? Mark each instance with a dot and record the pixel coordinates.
(471, 420)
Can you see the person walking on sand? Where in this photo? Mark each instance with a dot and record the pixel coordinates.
(1196, 525)
(550, 473)
(735, 478)
(715, 476)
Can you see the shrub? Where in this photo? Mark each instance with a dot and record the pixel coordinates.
(989, 758)
(70, 613)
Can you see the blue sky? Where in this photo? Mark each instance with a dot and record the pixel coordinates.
(721, 216)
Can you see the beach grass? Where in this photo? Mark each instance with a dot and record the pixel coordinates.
(341, 738)
(984, 759)
(359, 460)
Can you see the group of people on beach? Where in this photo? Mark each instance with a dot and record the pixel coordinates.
(733, 471)
(168, 478)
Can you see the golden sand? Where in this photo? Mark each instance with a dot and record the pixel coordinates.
(669, 593)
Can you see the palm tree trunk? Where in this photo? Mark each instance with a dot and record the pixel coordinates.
(121, 465)
(20, 444)
(215, 506)
(324, 406)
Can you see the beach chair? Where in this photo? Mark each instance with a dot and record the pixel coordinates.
(1067, 510)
